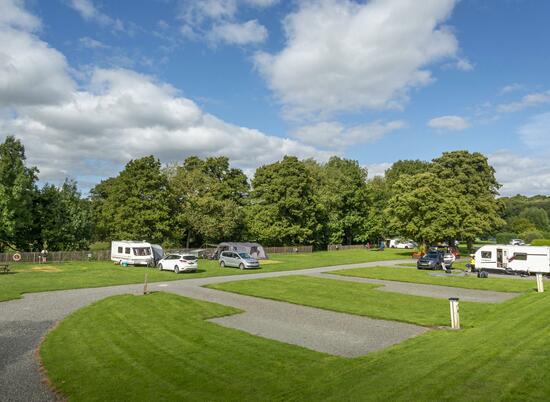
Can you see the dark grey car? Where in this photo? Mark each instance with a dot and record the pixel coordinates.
(432, 260)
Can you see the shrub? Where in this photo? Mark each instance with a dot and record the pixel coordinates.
(540, 242)
(528, 237)
(505, 237)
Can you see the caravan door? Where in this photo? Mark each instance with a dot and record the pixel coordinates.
(502, 258)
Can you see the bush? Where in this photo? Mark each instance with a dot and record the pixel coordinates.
(100, 245)
(505, 237)
(528, 237)
(540, 242)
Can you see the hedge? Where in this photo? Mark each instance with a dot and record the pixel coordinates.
(540, 242)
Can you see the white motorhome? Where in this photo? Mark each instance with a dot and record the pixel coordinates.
(136, 253)
(508, 258)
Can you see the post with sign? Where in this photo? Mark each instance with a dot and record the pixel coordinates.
(455, 317)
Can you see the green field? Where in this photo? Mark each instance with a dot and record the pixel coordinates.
(27, 278)
(428, 277)
(158, 347)
(356, 298)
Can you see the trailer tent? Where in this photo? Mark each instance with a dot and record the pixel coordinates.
(254, 249)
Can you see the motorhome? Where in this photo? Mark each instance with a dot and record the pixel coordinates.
(513, 259)
(130, 252)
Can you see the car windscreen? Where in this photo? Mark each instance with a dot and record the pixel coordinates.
(188, 257)
(244, 255)
(142, 251)
(432, 255)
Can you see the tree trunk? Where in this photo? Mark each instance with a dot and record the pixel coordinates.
(188, 238)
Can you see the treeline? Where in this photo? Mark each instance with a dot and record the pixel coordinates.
(527, 218)
(292, 201)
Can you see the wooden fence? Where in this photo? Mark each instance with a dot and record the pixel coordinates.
(105, 255)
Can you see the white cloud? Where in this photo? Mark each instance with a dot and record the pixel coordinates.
(31, 72)
(521, 174)
(464, 65)
(216, 20)
(449, 123)
(89, 12)
(378, 169)
(511, 88)
(536, 133)
(92, 43)
(334, 135)
(239, 33)
(341, 55)
(529, 100)
(113, 115)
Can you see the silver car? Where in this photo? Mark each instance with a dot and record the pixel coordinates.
(238, 260)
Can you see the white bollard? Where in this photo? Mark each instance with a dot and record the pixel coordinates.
(540, 283)
(455, 316)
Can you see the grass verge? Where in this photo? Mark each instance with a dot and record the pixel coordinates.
(159, 347)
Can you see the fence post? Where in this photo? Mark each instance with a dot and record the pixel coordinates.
(540, 283)
(455, 317)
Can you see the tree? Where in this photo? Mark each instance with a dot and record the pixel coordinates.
(402, 167)
(209, 197)
(17, 193)
(63, 218)
(537, 216)
(428, 209)
(471, 176)
(134, 205)
(376, 225)
(283, 208)
(342, 194)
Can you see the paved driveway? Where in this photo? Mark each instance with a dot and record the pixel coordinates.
(25, 321)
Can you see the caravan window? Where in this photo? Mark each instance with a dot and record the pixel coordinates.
(486, 254)
(127, 250)
(120, 250)
(520, 256)
(142, 251)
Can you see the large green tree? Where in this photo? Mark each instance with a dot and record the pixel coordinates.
(134, 205)
(471, 176)
(63, 218)
(428, 209)
(17, 193)
(209, 197)
(283, 206)
(405, 167)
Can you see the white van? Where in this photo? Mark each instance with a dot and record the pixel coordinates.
(136, 253)
(507, 258)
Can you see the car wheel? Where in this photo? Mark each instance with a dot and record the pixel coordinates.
(241, 266)
(222, 264)
(177, 269)
(160, 267)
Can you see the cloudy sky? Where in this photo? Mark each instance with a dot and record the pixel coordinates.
(89, 84)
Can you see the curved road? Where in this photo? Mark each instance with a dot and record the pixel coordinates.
(25, 321)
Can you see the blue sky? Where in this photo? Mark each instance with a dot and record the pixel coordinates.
(89, 84)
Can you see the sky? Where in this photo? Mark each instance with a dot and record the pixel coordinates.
(88, 85)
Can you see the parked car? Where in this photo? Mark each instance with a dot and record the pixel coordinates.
(239, 260)
(517, 242)
(433, 260)
(449, 258)
(179, 263)
(406, 244)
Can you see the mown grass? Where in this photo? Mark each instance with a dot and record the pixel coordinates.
(439, 278)
(159, 347)
(25, 278)
(356, 298)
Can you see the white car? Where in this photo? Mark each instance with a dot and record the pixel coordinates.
(406, 244)
(449, 258)
(179, 263)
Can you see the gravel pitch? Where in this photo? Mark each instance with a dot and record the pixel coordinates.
(25, 321)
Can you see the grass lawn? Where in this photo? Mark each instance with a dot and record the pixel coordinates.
(356, 298)
(27, 278)
(158, 347)
(427, 277)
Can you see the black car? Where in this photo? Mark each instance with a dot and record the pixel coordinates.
(431, 260)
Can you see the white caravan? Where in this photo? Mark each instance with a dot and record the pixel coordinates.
(136, 253)
(511, 259)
